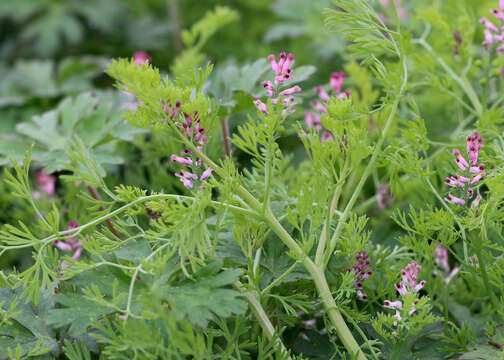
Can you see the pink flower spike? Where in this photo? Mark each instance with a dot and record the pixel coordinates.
(141, 57)
(206, 174)
(46, 182)
(454, 200)
(261, 106)
(274, 65)
(393, 304)
(319, 90)
(290, 91)
(478, 177)
(180, 160)
(501, 4)
(489, 25)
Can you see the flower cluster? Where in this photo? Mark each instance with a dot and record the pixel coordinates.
(494, 34)
(408, 285)
(312, 118)
(70, 244)
(283, 73)
(441, 260)
(464, 182)
(361, 272)
(196, 133)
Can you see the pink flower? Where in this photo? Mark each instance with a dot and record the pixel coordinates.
(180, 160)
(281, 69)
(473, 146)
(46, 182)
(489, 25)
(70, 244)
(141, 57)
(206, 174)
(454, 200)
(393, 304)
(261, 106)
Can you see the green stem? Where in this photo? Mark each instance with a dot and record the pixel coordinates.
(297, 252)
(262, 318)
(280, 278)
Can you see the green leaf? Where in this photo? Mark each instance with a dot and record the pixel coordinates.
(205, 297)
(78, 312)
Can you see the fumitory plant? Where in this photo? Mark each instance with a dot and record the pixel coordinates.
(266, 210)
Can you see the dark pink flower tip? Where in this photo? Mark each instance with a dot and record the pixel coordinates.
(141, 57)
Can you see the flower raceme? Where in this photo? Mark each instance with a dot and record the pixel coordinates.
(283, 73)
(312, 118)
(361, 272)
(408, 285)
(193, 131)
(473, 172)
(494, 34)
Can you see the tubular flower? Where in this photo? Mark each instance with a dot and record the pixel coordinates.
(336, 83)
(494, 34)
(283, 73)
(384, 197)
(408, 285)
(70, 244)
(361, 272)
(473, 172)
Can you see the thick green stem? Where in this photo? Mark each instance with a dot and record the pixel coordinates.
(297, 252)
(331, 308)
